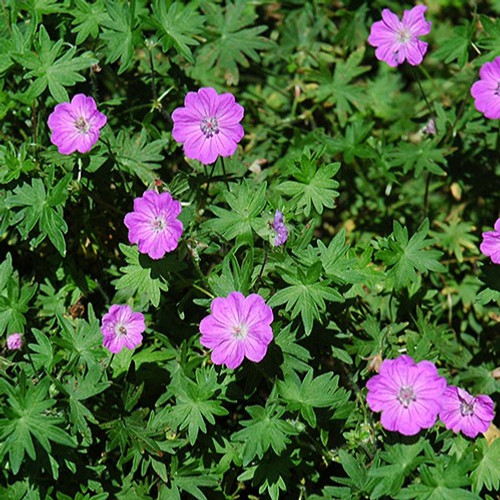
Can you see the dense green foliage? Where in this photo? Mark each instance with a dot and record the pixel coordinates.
(382, 257)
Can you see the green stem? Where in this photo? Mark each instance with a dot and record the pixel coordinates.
(417, 78)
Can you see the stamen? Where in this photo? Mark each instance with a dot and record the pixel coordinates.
(120, 329)
(240, 331)
(82, 125)
(209, 126)
(403, 36)
(406, 396)
(466, 409)
(497, 90)
(158, 224)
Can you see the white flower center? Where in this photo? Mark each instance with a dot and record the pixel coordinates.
(82, 125)
(240, 331)
(466, 409)
(403, 35)
(120, 329)
(406, 395)
(209, 126)
(159, 224)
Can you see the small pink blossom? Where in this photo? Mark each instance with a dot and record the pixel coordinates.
(486, 91)
(75, 125)
(122, 328)
(281, 231)
(397, 40)
(490, 245)
(237, 327)
(466, 413)
(407, 393)
(153, 224)
(208, 125)
(14, 341)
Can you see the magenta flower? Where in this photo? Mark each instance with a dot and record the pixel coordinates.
(486, 91)
(75, 125)
(238, 327)
(14, 342)
(280, 229)
(397, 40)
(208, 125)
(407, 393)
(122, 328)
(466, 413)
(490, 245)
(153, 224)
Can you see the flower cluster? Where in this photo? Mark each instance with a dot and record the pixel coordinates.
(411, 396)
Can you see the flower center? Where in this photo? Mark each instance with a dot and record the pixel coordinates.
(82, 125)
(240, 331)
(466, 409)
(209, 126)
(497, 90)
(403, 36)
(158, 224)
(120, 330)
(406, 395)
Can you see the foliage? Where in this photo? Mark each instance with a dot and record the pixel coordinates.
(384, 219)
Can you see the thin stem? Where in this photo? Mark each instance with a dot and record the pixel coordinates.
(426, 193)
(209, 177)
(264, 262)
(417, 78)
(224, 172)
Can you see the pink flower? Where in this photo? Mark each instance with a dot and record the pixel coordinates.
(208, 125)
(486, 91)
(238, 327)
(466, 413)
(14, 342)
(122, 328)
(407, 393)
(75, 125)
(280, 229)
(153, 224)
(398, 40)
(491, 243)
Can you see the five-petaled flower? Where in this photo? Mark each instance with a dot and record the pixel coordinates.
(280, 230)
(208, 125)
(237, 327)
(121, 328)
(14, 341)
(407, 393)
(75, 125)
(153, 224)
(466, 413)
(397, 40)
(490, 245)
(486, 91)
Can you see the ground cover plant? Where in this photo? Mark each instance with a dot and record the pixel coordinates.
(249, 249)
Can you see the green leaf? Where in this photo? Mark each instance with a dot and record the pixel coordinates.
(88, 19)
(421, 157)
(456, 46)
(42, 207)
(305, 296)
(314, 185)
(121, 32)
(263, 431)
(405, 257)
(319, 392)
(142, 275)
(246, 202)
(339, 89)
(26, 418)
(195, 403)
(177, 25)
(487, 470)
(50, 70)
(231, 43)
(138, 155)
